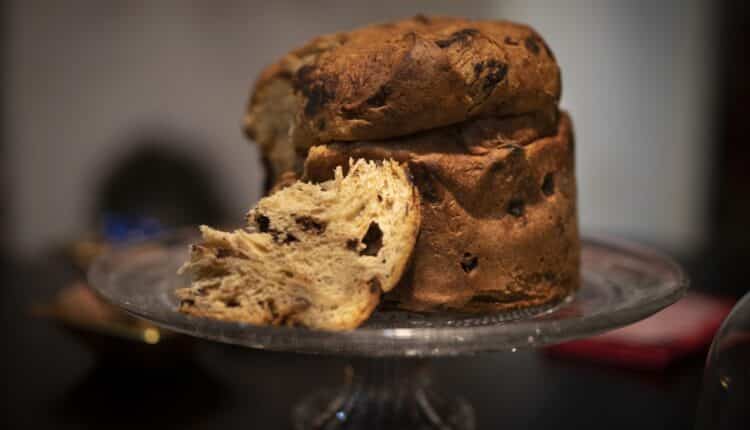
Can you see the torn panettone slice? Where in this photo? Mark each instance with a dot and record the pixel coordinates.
(314, 255)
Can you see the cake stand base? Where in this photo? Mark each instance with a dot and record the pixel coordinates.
(385, 393)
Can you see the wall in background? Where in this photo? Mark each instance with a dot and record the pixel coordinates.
(638, 80)
(84, 78)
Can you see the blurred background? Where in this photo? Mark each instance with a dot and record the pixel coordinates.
(88, 82)
(122, 118)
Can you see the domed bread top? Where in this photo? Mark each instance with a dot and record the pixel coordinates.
(401, 77)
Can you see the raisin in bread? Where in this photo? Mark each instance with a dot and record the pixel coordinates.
(315, 255)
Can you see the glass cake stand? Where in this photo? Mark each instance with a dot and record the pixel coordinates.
(388, 385)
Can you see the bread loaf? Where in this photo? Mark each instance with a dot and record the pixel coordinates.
(471, 107)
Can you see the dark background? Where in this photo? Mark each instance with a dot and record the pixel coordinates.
(50, 379)
(730, 209)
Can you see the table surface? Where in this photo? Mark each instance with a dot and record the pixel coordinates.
(51, 380)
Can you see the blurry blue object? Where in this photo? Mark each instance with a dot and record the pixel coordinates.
(119, 229)
(725, 400)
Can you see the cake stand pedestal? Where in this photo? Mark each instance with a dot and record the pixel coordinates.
(388, 386)
(384, 393)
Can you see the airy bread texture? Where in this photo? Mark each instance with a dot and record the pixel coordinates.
(314, 255)
(397, 78)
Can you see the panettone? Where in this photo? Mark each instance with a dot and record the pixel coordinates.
(471, 107)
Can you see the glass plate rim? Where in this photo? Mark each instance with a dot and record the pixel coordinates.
(424, 341)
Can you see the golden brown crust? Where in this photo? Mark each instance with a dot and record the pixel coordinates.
(471, 106)
(499, 226)
(284, 180)
(398, 78)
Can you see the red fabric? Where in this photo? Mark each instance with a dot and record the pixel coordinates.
(682, 329)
